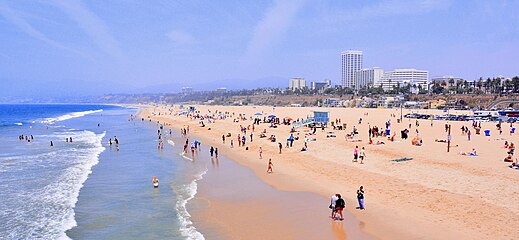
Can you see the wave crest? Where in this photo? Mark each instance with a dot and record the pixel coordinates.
(69, 116)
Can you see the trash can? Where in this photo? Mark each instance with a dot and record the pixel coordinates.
(513, 130)
(487, 133)
(388, 132)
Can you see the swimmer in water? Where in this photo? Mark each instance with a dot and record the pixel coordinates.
(155, 182)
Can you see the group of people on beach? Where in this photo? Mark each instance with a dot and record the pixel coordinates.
(337, 204)
(510, 150)
(116, 141)
(359, 155)
(27, 138)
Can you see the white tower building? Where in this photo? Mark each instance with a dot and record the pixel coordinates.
(351, 62)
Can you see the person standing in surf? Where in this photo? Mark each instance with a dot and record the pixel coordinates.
(155, 182)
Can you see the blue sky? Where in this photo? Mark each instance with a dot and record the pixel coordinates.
(73, 47)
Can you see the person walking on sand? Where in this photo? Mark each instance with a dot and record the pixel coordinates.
(269, 169)
(355, 154)
(360, 197)
(260, 153)
(333, 202)
(280, 147)
(216, 153)
(232, 144)
(211, 151)
(362, 155)
(339, 205)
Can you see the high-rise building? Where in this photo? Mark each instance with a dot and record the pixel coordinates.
(296, 83)
(351, 62)
(404, 76)
(368, 77)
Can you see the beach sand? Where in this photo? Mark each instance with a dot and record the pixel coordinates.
(437, 195)
(233, 204)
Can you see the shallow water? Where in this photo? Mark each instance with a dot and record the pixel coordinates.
(86, 189)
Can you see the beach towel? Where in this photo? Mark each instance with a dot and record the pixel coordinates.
(401, 159)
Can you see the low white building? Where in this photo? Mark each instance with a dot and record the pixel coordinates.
(296, 83)
(327, 83)
(187, 90)
(404, 76)
(368, 77)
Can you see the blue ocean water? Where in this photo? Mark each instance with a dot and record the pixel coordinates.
(88, 189)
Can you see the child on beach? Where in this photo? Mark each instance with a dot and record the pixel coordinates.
(362, 155)
(269, 169)
(355, 154)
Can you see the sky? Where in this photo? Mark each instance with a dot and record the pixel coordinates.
(76, 48)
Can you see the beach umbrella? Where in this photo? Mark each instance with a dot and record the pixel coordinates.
(272, 116)
(258, 114)
(288, 118)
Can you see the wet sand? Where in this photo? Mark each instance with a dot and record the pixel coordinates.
(233, 203)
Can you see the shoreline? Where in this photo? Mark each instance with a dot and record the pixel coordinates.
(206, 201)
(232, 203)
(388, 202)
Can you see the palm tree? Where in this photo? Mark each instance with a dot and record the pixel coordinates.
(480, 83)
(508, 85)
(488, 83)
(515, 84)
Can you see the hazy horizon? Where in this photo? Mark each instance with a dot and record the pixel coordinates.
(77, 48)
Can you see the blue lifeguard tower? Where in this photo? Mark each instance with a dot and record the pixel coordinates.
(320, 118)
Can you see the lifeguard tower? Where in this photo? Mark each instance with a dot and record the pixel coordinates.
(320, 118)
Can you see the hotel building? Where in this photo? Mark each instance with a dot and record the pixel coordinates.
(351, 62)
(404, 76)
(368, 77)
(296, 83)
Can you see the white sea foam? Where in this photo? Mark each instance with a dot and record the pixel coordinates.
(171, 142)
(69, 116)
(51, 209)
(186, 157)
(19, 124)
(186, 193)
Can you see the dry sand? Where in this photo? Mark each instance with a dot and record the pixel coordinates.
(437, 195)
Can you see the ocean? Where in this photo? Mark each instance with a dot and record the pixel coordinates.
(87, 188)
